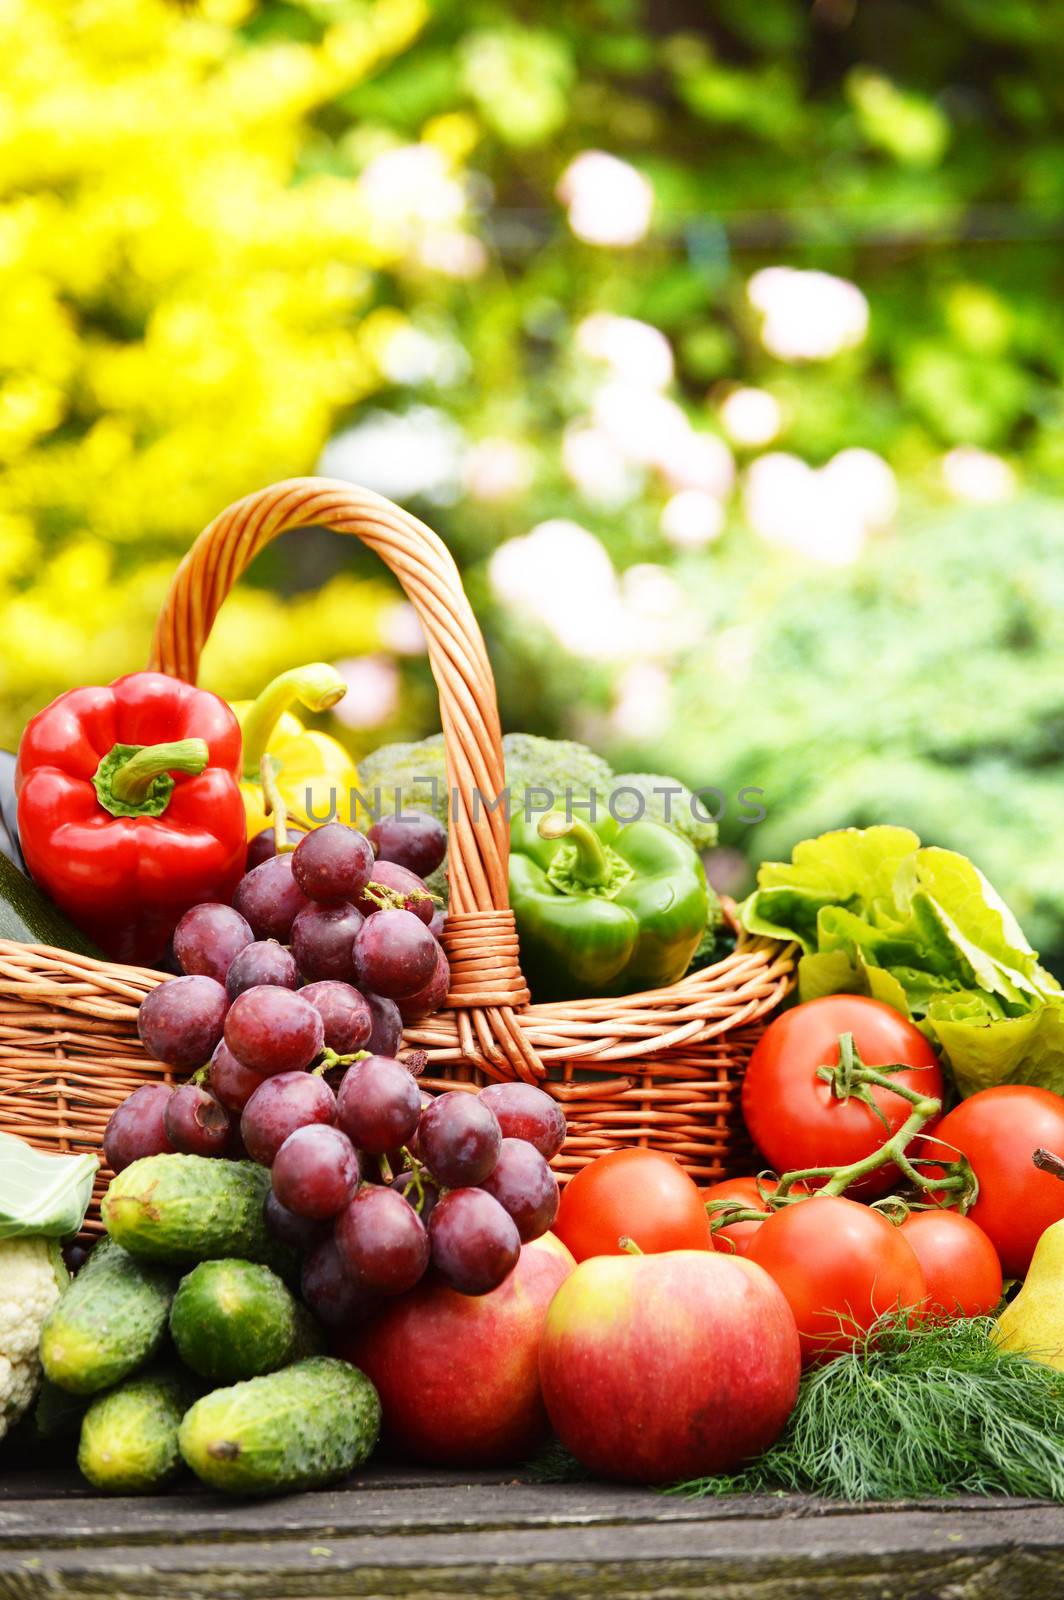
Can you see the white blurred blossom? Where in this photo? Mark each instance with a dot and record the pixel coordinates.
(692, 460)
(608, 201)
(399, 454)
(412, 188)
(401, 631)
(561, 574)
(372, 691)
(454, 254)
(643, 704)
(751, 416)
(807, 316)
(692, 518)
(595, 463)
(413, 356)
(977, 476)
(824, 514)
(498, 469)
(635, 351)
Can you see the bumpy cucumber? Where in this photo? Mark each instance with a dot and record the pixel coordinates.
(185, 1209)
(294, 1429)
(108, 1322)
(233, 1320)
(128, 1439)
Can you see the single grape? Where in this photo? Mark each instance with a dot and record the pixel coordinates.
(439, 921)
(300, 1233)
(431, 997)
(382, 1241)
(181, 1021)
(475, 1243)
(264, 845)
(74, 1257)
(279, 1106)
(329, 1291)
(273, 1030)
(524, 1185)
(208, 937)
(315, 1172)
(379, 1104)
(230, 1080)
(345, 1014)
(458, 1139)
(264, 962)
(136, 1128)
(388, 876)
(395, 954)
(333, 862)
(419, 1190)
(322, 942)
(270, 898)
(415, 840)
(387, 1034)
(525, 1112)
(196, 1123)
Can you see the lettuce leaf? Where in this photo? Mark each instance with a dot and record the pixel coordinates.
(922, 929)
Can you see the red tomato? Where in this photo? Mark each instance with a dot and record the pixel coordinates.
(641, 1194)
(796, 1120)
(840, 1265)
(961, 1266)
(737, 1235)
(999, 1130)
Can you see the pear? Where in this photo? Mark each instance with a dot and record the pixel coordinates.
(1034, 1322)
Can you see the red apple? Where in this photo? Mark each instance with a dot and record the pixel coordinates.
(661, 1367)
(458, 1375)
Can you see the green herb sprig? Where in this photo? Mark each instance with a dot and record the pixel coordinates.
(912, 1413)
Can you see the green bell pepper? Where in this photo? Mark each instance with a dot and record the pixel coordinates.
(601, 908)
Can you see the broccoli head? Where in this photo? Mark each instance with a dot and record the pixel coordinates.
(667, 800)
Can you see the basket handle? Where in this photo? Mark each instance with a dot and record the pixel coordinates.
(480, 937)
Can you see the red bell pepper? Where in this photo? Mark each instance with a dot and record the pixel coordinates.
(129, 807)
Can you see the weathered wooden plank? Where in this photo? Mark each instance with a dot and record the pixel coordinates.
(557, 1540)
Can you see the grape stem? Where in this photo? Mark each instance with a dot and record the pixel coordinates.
(386, 899)
(850, 1079)
(330, 1059)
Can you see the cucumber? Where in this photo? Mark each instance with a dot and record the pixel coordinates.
(108, 1323)
(128, 1441)
(295, 1429)
(233, 1320)
(184, 1209)
(27, 916)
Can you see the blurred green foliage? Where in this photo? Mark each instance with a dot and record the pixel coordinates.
(240, 239)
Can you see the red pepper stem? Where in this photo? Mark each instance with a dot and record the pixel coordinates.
(132, 780)
(135, 780)
(590, 863)
(316, 687)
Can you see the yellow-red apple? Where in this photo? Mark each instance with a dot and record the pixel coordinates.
(661, 1367)
(458, 1375)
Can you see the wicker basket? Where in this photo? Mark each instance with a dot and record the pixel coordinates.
(662, 1068)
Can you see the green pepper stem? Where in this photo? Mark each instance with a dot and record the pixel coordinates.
(590, 862)
(316, 687)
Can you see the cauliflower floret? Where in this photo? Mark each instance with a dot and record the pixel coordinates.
(32, 1277)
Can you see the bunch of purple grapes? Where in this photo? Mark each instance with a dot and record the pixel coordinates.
(374, 1181)
(343, 914)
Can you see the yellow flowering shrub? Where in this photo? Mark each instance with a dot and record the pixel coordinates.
(182, 287)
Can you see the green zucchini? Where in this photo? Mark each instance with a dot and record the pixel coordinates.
(27, 916)
(295, 1429)
(128, 1441)
(185, 1209)
(233, 1320)
(108, 1323)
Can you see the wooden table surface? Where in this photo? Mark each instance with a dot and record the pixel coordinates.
(435, 1535)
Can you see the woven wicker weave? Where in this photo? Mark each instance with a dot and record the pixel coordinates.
(661, 1068)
